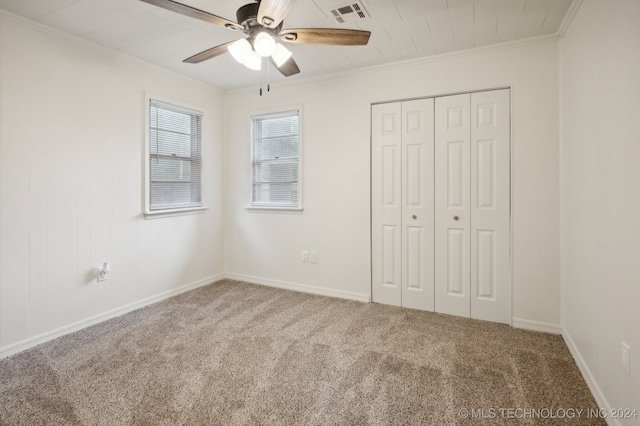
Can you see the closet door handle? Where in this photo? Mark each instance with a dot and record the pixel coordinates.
(414, 217)
(456, 218)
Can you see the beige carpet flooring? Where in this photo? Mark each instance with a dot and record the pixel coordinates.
(237, 353)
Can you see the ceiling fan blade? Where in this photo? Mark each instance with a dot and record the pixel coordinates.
(272, 12)
(333, 36)
(209, 53)
(287, 69)
(192, 12)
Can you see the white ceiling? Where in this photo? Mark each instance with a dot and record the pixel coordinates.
(400, 30)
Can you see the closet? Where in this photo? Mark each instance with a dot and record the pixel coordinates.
(440, 204)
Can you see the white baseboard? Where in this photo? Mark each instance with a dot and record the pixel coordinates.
(305, 288)
(601, 401)
(536, 326)
(50, 335)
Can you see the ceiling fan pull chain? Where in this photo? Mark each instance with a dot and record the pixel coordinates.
(262, 59)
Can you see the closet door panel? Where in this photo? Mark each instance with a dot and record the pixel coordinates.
(386, 203)
(490, 206)
(452, 205)
(417, 204)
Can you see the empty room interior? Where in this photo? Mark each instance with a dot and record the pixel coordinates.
(319, 212)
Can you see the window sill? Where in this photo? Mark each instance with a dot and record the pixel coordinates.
(171, 213)
(284, 210)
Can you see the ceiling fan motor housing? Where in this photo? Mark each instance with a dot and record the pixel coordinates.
(247, 12)
(247, 17)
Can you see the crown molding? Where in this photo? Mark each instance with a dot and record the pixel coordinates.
(568, 17)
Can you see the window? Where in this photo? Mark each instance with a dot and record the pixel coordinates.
(275, 152)
(174, 158)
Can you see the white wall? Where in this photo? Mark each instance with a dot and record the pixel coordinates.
(336, 174)
(600, 181)
(71, 159)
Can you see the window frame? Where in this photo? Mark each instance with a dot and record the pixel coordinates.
(178, 211)
(262, 208)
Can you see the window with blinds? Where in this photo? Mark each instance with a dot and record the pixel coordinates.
(275, 151)
(175, 158)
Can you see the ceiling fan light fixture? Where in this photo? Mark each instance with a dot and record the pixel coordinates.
(242, 52)
(252, 60)
(239, 49)
(280, 54)
(264, 44)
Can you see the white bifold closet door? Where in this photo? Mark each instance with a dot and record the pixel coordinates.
(402, 200)
(472, 204)
(440, 204)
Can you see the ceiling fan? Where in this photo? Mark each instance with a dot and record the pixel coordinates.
(262, 22)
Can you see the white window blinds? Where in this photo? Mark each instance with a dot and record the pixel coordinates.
(175, 157)
(275, 147)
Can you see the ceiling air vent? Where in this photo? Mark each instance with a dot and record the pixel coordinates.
(351, 12)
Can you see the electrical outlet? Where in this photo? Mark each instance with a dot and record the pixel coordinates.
(625, 358)
(313, 257)
(305, 256)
